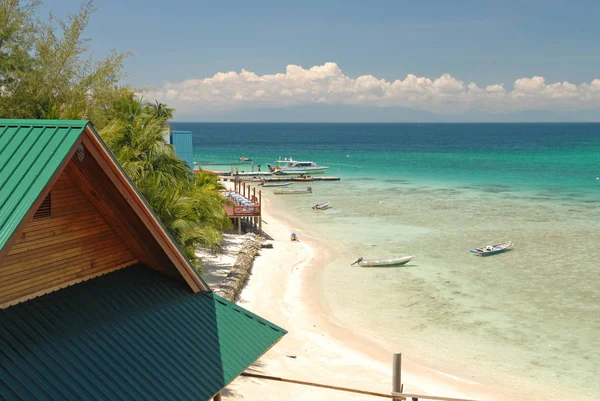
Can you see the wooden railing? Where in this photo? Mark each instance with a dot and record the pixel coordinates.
(250, 194)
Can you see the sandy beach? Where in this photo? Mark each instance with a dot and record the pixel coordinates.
(284, 287)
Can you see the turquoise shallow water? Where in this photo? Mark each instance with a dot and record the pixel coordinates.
(528, 318)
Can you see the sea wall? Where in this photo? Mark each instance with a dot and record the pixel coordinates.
(232, 284)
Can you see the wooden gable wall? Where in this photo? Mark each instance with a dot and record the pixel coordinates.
(74, 243)
(98, 224)
(93, 179)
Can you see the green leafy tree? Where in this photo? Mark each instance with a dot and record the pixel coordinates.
(17, 38)
(44, 74)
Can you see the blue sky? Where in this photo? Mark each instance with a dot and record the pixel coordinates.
(485, 42)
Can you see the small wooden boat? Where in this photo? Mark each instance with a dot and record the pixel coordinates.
(302, 179)
(293, 191)
(275, 184)
(322, 206)
(383, 262)
(491, 249)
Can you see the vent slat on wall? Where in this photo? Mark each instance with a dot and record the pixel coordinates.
(45, 209)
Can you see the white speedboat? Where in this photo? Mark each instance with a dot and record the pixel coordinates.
(297, 167)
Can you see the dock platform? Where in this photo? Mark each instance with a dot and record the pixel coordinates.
(274, 179)
(288, 179)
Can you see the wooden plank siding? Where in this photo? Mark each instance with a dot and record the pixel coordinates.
(75, 243)
(167, 256)
(94, 178)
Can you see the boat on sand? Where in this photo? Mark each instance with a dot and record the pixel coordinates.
(322, 206)
(492, 249)
(307, 190)
(383, 262)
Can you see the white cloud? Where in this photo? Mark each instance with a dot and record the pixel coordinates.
(327, 84)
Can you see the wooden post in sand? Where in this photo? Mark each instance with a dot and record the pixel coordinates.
(260, 210)
(217, 397)
(397, 375)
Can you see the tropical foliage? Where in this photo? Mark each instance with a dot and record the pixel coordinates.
(44, 74)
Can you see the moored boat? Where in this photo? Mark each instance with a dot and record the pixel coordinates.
(307, 190)
(302, 179)
(252, 174)
(245, 159)
(391, 262)
(275, 184)
(492, 249)
(297, 167)
(322, 205)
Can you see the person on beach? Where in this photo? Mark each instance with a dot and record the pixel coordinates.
(294, 237)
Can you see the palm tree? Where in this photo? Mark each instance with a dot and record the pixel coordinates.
(191, 208)
(205, 191)
(160, 110)
(178, 211)
(140, 149)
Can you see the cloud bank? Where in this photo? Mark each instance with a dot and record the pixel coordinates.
(327, 84)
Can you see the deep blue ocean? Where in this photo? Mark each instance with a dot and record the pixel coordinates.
(561, 156)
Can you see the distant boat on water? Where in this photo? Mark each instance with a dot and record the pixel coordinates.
(383, 262)
(307, 190)
(322, 205)
(492, 249)
(245, 159)
(275, 184)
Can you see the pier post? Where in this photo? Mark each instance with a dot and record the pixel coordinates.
(217, 397)
(239, 219)
(397, 375)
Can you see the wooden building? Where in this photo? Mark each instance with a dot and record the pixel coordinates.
(97, 301)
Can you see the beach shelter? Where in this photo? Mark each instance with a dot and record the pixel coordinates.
(97, 302)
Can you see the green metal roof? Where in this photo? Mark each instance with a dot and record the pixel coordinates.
(30, 153)
(131, 334)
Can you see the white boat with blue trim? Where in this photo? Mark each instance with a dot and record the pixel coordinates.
(291, 166)
(492, 249)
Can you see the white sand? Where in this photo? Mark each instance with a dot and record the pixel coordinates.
(217, 265)
(284, 287)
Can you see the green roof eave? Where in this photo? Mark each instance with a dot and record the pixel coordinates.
(131, 334)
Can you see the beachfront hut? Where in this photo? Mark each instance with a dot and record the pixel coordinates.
(96, 300)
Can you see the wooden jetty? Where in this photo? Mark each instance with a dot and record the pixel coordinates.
(289, 179)
(244, 206)
(233, 178)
